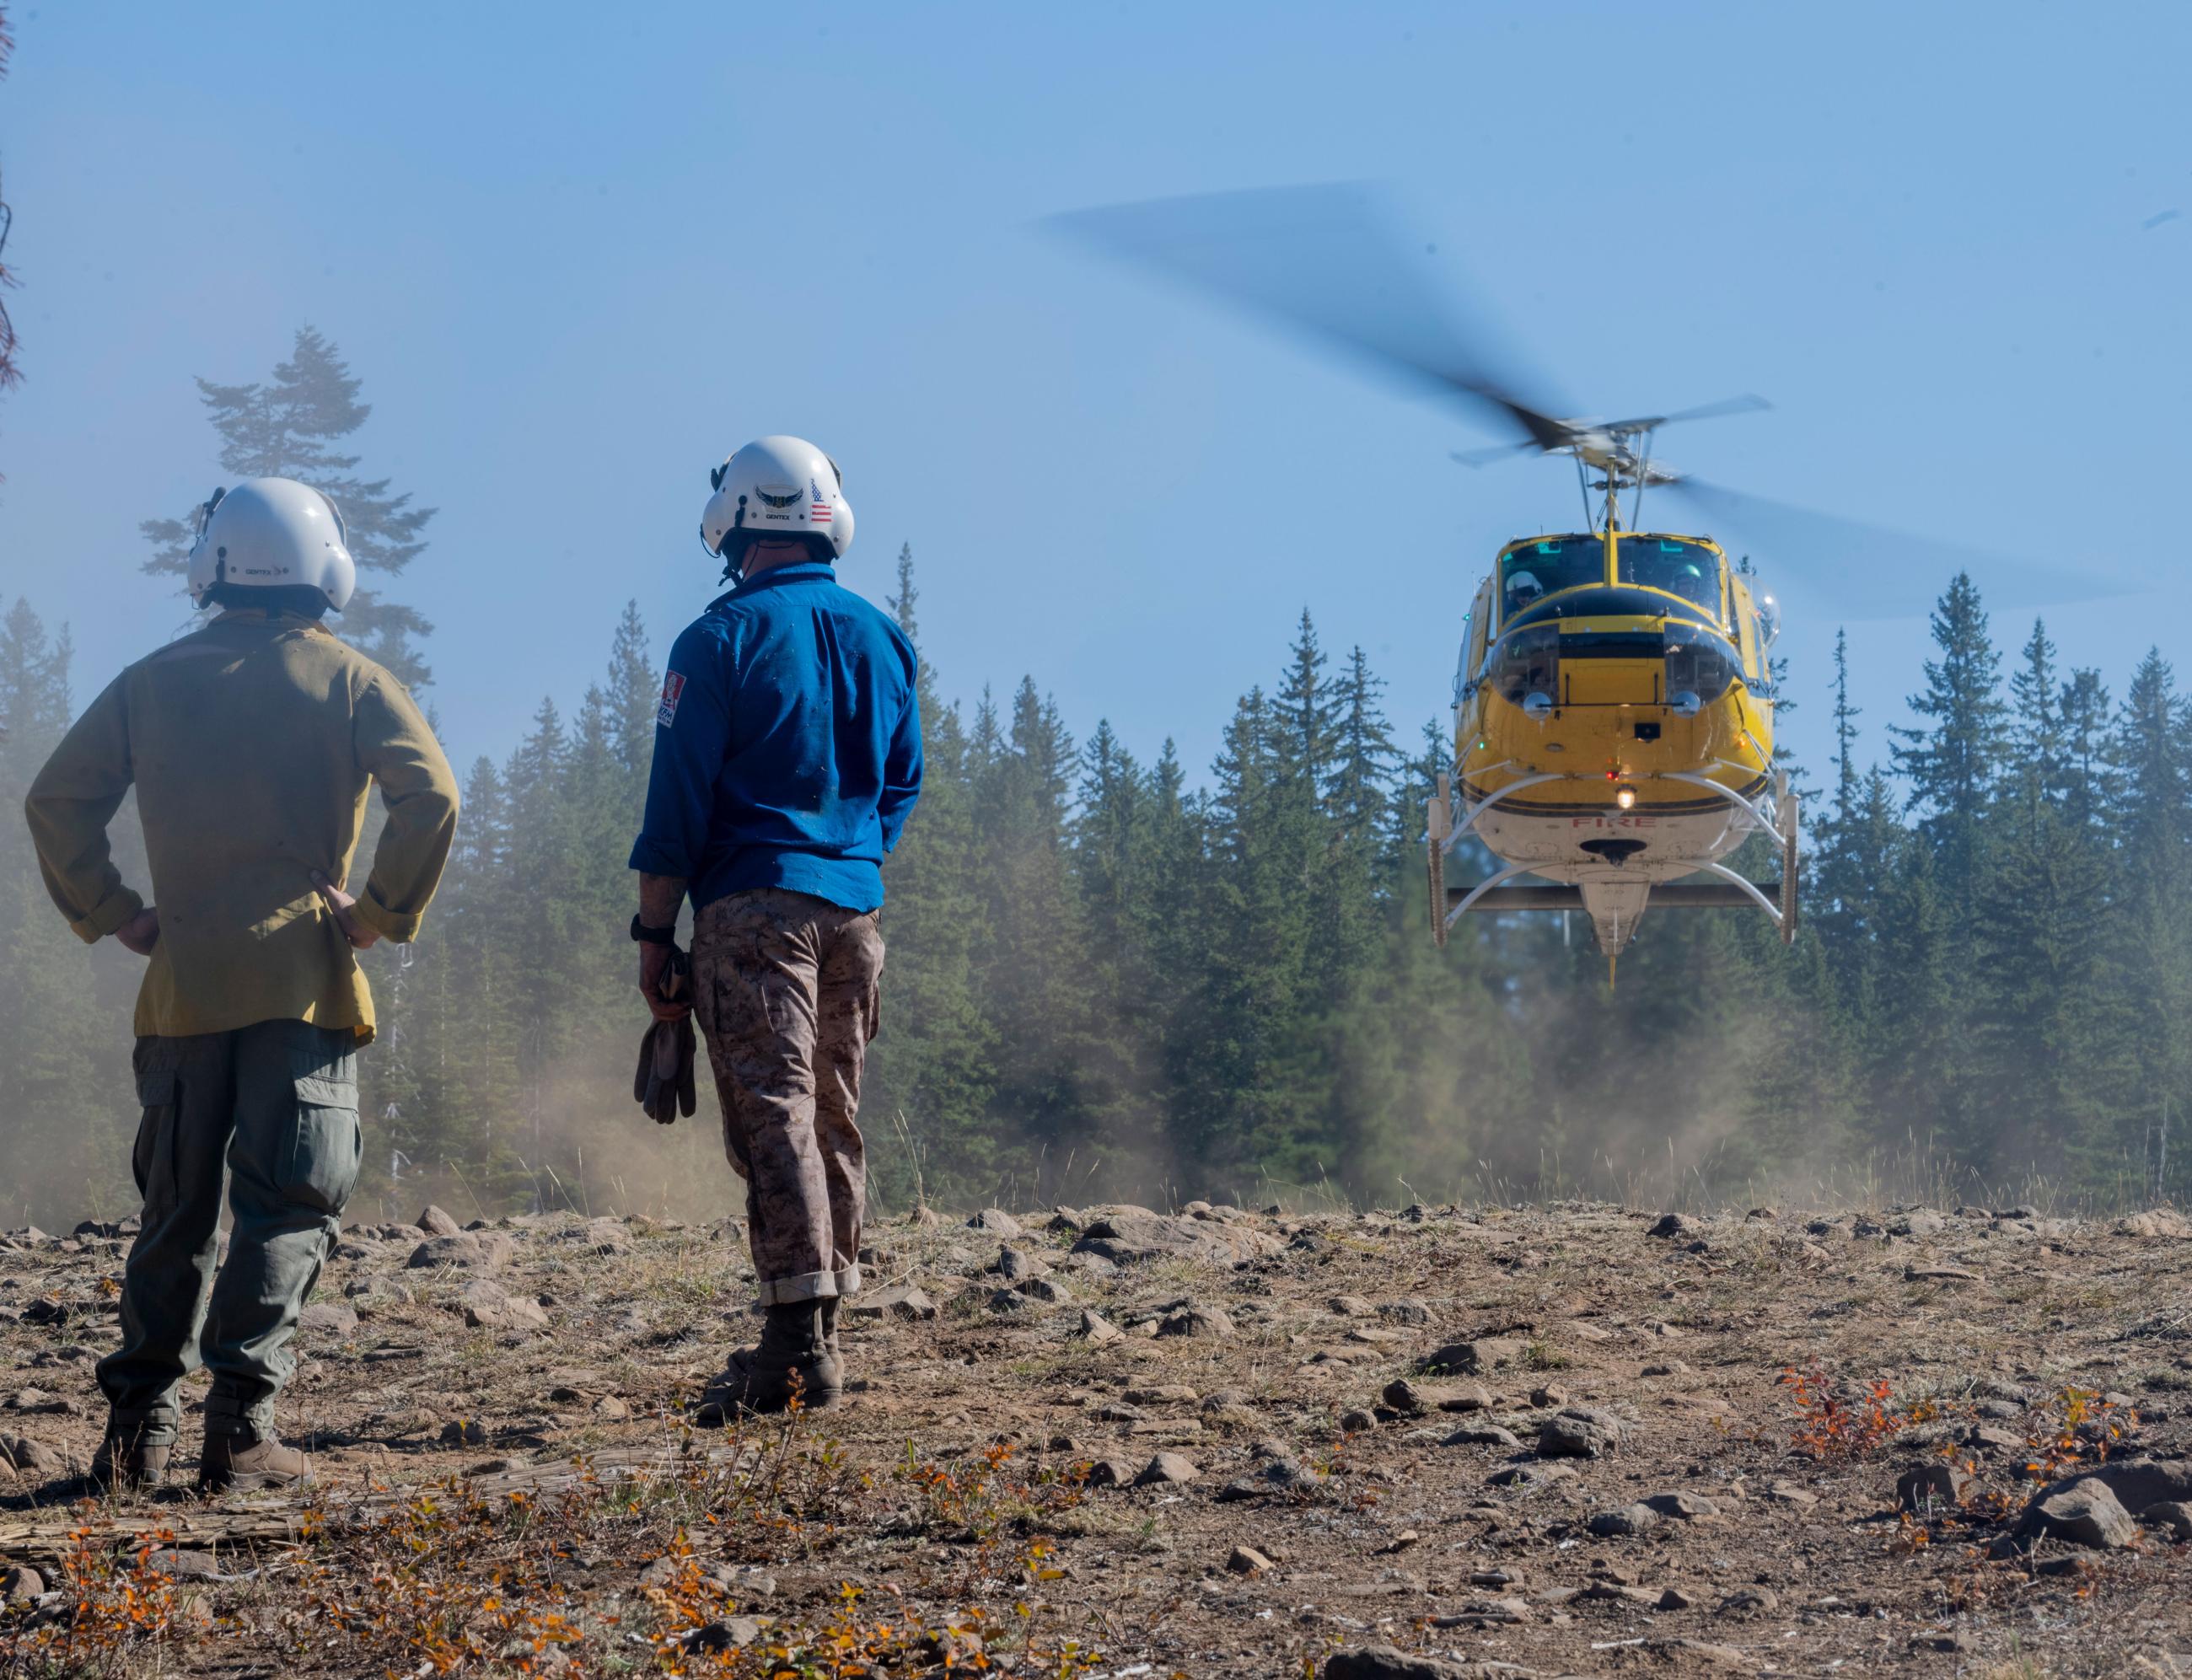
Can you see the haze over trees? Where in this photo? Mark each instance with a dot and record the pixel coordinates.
(287, 427)
(1111, 977)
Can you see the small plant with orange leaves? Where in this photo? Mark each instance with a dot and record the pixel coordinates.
(971, 1499)
(2077, 1427)
(114, 1605)
(1834, 1422)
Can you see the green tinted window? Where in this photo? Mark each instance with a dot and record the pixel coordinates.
(1536, 570)
(1689, 570)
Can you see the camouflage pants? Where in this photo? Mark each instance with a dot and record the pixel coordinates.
(787, 989)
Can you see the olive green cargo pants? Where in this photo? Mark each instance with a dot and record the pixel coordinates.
(277, 1103)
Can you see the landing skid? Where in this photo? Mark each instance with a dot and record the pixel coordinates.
(1450, 821)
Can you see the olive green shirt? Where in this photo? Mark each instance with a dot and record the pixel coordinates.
(252, 744)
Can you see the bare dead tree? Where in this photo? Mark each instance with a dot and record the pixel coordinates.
(9, 372)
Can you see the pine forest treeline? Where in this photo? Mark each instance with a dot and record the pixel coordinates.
(1109, 977)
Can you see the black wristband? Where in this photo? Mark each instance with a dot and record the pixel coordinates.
(643, 934)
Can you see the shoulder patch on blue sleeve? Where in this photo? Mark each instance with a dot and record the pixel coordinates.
(673, 689)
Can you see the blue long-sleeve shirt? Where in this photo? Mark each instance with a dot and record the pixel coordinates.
(787, 747)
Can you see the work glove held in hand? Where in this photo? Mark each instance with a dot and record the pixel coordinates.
(663, 1083)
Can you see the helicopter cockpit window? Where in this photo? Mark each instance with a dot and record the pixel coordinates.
(1689, 570)
(1536, 570)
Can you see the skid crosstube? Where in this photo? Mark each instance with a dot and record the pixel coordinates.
(1674, 895)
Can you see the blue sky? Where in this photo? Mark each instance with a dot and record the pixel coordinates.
(578, 254)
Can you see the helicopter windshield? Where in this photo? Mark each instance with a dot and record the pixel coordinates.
(1690, 570)
(1536, 570)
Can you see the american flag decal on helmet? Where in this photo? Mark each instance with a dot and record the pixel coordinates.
(820, 513)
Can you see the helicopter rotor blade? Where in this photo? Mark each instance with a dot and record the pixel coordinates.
(1865, 571)
(1707, 411)
(1497, 452)
(1327, 261)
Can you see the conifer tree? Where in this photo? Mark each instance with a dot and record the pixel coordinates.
(933, 1062)
(1951, 758)
(289, 426)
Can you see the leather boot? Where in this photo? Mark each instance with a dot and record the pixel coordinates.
(126, 1462)
(792, 1345)
(830, 1331)
(251, 1461)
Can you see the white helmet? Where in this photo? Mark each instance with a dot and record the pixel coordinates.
(776, 486)
(272, 533)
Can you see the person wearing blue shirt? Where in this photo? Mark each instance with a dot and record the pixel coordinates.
(787, 755)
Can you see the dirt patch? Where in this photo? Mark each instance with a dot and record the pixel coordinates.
(1099, 1441)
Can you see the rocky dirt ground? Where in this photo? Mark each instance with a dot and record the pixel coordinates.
(1572, 1440)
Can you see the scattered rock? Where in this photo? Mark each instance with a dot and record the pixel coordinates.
(1097, 1330)
(1164, 1469)
(899, 1301)
(1675, 1598)
(2085, 1514)
(1630, 1520)
(29, 1457)
(1670, 1226)
(1683, 1507)
(2157, 1223)
(1467, 1396)
(1412, 1313)
(1110, 1473)
(1046, 1289)
(611, 1409)
(1939, 1274)
(436, 1223)
(1483, 1435)
(1197, 1320)
(2172, 1514)
(995, 1220)
(1383, 1662)
(1917, 1222)
(1126, 1235)
(1013, 1264)
(1403, 1396)
(2136, 1482)
(1529, 1476)
(1934, 1485)
(1548, 1395)
(488, 1305)
(1354, 1421)
(328, 1317)
(1246, 1560)
(1748, 1600)
(1687, 1656)
(1578, 1432)
(1474, 1358)
(472, 1250)
(1950, 1639)
(21, 1585)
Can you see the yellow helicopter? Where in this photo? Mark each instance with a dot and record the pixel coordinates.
(1613, 728)
(1613, 708)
